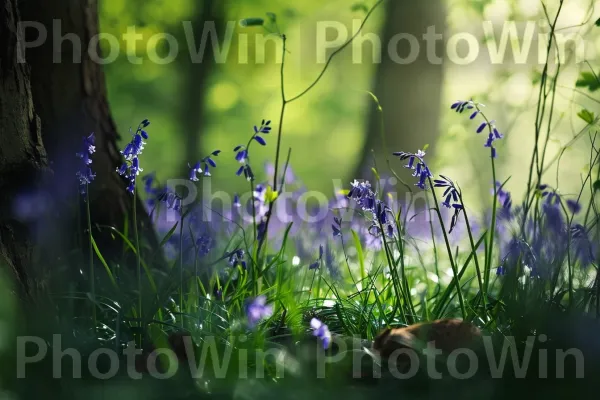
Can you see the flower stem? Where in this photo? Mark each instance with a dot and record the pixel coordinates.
(476, 259)
(490, 245)
(91, 255)
(490, 249)
(138, 257)
(284, 102)
(181, 268)
(449, 250)
(399, 288)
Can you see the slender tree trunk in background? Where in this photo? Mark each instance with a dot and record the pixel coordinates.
(22, 156)
(196, 76)
(410, 94)
(66, 89)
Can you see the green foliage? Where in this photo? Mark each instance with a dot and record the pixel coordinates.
(587, 116)
(588, 80)
(360, 7)
(252, 22)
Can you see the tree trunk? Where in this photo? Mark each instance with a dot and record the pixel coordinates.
(196, 79)
(22, 155)
(66, 88)
(410, 94)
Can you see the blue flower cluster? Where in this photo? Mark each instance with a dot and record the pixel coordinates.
(242, 155)
(460, 106)
(204, 244)
(321, 331)
(505, 212)
(172, 200)
(257, 309)
(366, 199)
(157, 194)
(420, 169)
(152, 190)
(584, 249)
(548, 237)
(573, 206)
(337, 227)
(317, 263)
(237, 257)
(451, 198)
(130, 168)
(451, 195)
(207, 162)
(85, 175)
(518, 250)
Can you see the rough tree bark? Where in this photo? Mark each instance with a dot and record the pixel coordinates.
(66, 88)
(22, 156)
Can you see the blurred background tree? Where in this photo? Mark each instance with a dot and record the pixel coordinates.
(197, 107)
(406, 83)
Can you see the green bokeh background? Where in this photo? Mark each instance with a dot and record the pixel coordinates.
(326, 128)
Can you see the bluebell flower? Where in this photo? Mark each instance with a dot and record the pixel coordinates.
(207, 162)
(88, 148)
(317, 263)
(264, 127)
(241, 156)
(149, 180)
(204, 244)
(574, 206)
(451, 195)
(505, 211)
(171, 199)
(421, 170)
(381, 214)
(314, 265)
(153, 190)
(261, 230)
(337, 227)
(362, 194)
(321, 331)
(257, 309)
(493, 135)
(516, 250)
(131, 167)
(583, 247)
(242, 152)
(85, 175)
(247, 171)
(261, 206)
(237, 257)
(460, 106)
(451, 198)
(553, 214)
(194, 170)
